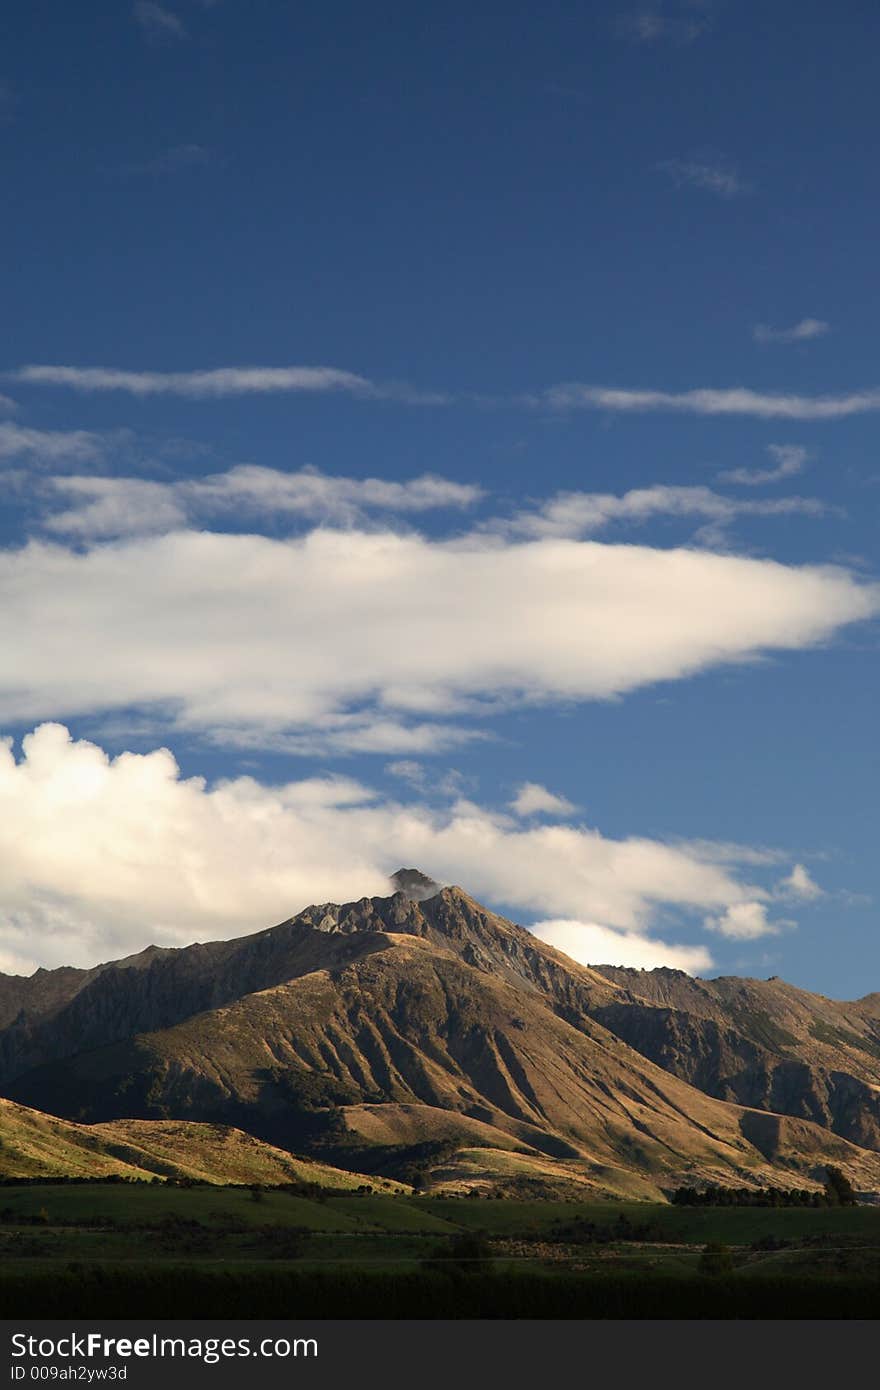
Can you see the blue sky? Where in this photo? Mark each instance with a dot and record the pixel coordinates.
(407, 410)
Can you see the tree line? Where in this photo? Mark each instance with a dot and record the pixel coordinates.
(838, 1191)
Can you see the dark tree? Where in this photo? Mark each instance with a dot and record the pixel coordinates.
(838, 1188)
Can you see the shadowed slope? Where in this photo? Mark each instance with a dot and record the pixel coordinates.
(763, 1043)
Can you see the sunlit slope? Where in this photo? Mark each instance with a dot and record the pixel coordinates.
(411, 1025)
(35, 1145)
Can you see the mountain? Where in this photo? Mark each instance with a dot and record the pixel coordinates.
(56, 1014)
(411, 1033)
(761, 1043)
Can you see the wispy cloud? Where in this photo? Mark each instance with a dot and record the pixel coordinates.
(802, 332)
(450, 785)
(534, 800)
(157, 22)
(743, 921)
(176, 160)
(340, 733)
(737, 400)
(800, 885)
(110, 507)
(680, 24)
(641, 26)
(105, 507)
(713, 176)
(573, 514)
(322, 496)
(790, 459)
(407, 770)
(216, 383)
(49, 446)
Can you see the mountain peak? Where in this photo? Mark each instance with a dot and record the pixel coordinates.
(415, 885)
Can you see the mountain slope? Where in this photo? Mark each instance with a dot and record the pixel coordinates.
(405, 1028)
(63, 1012)
(762, 1043)
(403, 1022)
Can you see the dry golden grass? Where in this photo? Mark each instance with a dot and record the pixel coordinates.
(34, 1145)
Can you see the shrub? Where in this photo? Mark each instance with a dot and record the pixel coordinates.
(716, 1259)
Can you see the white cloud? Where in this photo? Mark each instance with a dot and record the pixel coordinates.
(715, 176)
(368, 730)
(98, 857)
(408, 771)
(594, 945)
(743, 921)
(129, 506)
(802, 332)
(7, 405)
(790, 459)
(449, 785)
(310, 493)
(49, 446)
(119, 506)
(584, 513)
(377, 639)
(799, 884)
(219, 382)
(737, 400)
(532, 799)
(115, 507)
(731, 852)
(157, 22)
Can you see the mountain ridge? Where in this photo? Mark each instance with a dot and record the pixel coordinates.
(762, 1043)
(431, 1021)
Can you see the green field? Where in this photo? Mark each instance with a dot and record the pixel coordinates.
(68, 1250)
(692, 1225)
(134, 1204)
